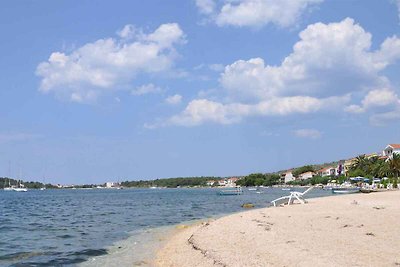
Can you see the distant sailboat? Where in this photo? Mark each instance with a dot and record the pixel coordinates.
(20, 187)
(8, 188)
(44, 185)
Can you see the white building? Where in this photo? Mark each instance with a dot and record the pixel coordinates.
(288, 176)
(391, 149)
(231, 181)
(222, 182)
(210, 182)
(112, 184)
(306, 175)
(328, 171)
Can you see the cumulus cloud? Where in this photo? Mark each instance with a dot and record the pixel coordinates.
(201, 111)
(384, 104)
(308, 133)
(109, 63)
(255, 13)
(310, 79)
(146, 89)
(376, 99)
(311, 68)
(173, 99)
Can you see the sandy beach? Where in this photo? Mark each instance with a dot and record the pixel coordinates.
(348, 230)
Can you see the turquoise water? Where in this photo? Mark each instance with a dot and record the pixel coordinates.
(68, 227)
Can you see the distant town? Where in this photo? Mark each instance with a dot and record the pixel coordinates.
(382, 167)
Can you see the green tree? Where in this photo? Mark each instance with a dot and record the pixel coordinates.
(394, 168)
(306, 168)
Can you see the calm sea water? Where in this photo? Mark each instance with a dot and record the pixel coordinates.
(68, 227)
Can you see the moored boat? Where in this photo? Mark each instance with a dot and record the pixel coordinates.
(20, 189)
(345, 190)
(231, 191)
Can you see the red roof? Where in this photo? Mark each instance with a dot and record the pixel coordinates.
(395, 146)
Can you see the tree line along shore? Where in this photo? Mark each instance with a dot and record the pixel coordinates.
(363, 166)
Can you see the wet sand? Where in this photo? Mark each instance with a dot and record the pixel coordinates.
(348, 230)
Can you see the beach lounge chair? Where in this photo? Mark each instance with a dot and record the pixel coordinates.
(291, 198)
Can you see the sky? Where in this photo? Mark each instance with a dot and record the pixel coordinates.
(96, 91)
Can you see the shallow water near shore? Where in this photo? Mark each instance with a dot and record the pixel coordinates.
(101, 227)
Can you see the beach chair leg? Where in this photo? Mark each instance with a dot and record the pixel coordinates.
(300, 200)
(290, 200)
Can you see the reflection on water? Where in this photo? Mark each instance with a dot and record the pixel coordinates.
(66, 227)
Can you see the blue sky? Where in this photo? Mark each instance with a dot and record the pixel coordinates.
(93, 91)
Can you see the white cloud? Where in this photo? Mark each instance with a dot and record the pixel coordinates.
(311, 68)
(129, 31)
(380, 98)
(308, 133)
(256, 13)
(206, 6)
(384, 104)
(311, 79)
(174, 99)
(388, 53)
(146, 89)
(354, 109)
(201, 111)
(106, 64)
(376, 99)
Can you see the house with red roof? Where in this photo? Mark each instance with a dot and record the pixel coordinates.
(391, 149)
(328, 171)
(306, 175)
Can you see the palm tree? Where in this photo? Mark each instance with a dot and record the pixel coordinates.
(362, 163)
(394, 165)
(384, 170)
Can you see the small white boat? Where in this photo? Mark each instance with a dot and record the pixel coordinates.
(286, 189)
(20, 189)
(231, 191)
(345, 190)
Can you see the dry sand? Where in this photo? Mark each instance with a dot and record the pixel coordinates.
(348, 230)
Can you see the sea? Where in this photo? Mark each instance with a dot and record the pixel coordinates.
(108, 227)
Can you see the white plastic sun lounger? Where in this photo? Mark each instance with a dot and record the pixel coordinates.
(291, 198)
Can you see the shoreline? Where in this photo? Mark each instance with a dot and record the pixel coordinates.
(347, 230)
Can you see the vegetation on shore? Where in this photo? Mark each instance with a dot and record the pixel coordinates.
(171, 182)
(5, 182)
(257, 179)
(369, 167)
